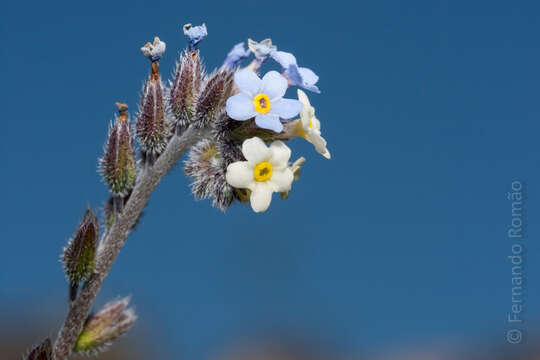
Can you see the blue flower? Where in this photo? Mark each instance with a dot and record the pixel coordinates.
(235, 56)
(195, 34)
(262, 99)
(297, 76)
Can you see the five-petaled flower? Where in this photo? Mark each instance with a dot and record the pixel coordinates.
(297, 76)
(262, 99)
(310, 126)
(266, 171)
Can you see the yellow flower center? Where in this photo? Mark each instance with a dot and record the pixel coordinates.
(263, 171)
(262, 103)
(310, 124)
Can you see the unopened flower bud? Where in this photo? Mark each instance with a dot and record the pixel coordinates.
(41, 352)
(118, 163)
(80, 254)
(152, 125)
(102, 328)
(185, 88)
(216, 90)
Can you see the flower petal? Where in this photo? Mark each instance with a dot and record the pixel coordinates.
(247, 81)
(286, 108)
(319, 143)
(308, 76)
(303, 98)
(279, 154)
(269, 121)
(240, 107)
(282, 180)
(239, 175)
(261, 197)
(284, 59)
(274, 85)
(255, 151)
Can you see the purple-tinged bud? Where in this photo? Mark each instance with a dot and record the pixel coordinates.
(80, 254)
(185, 88)
(216, 90)
(41, 352)
(102, 328)
(153, 121)
(118, 163)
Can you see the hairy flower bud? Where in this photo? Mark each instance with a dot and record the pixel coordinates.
(152, 125)
(216, 90)
(118, 163)
(80, 254)
(102, 328)
(185, 87)
(206, 166)
(41, 352)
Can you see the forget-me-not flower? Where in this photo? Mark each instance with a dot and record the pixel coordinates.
(262, 99)
(310, 126)
(266, 171)
(297, 76)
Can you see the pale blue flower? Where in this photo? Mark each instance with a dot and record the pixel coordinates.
(297, 76)
(195, 34)
(261, 50)
(262, 99)
(235, 56)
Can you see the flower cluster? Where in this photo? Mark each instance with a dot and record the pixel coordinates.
(247, 118)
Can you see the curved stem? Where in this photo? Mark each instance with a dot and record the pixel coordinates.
(115, 238)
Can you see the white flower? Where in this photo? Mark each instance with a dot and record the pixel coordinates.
(297, 76)
(262, 99)
(154, 51)
(266, 171)
(311, 126)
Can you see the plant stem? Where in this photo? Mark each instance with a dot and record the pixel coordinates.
(115, 238)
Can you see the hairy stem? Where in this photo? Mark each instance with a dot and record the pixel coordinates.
(115, 238)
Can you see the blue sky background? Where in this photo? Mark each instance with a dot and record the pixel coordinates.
(430, 109)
